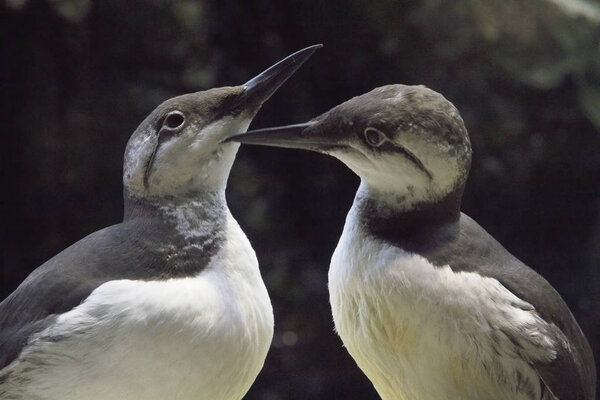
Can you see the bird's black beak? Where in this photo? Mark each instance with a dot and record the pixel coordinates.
(261, 87)
(299, 136)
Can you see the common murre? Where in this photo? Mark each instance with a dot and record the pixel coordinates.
(429, 304)
(168, 304)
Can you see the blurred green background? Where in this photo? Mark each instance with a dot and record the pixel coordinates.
(78, 76)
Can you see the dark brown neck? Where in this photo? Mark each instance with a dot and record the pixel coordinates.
(208, 206)
(405, 227)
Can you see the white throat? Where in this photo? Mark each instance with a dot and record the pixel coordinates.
(408, 325)
(196, 161)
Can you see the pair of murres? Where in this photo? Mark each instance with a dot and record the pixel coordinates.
(428, 304)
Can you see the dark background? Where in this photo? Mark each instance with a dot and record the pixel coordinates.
(78, 76)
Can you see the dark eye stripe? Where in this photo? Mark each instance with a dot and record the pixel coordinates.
(167, 127)
(149, 164)
(396, 148)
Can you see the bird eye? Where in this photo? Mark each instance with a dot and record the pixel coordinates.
(374, 137)
(174, 120)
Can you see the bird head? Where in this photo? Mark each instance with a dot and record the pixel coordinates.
(408, 144)
(178, 150)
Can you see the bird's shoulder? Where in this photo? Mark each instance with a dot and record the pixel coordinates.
(466, 246)
(145, 249)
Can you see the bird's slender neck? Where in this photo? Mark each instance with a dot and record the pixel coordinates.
(184, 233)
(381, 217)
(209, 205)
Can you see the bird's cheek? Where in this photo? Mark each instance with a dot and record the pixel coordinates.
(356, 161)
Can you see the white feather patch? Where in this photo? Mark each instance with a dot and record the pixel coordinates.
(202, 337)
(423, 332)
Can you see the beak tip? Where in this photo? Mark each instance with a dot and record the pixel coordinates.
(285, 67)
(302, 55)
(315, 47)
(258, 89)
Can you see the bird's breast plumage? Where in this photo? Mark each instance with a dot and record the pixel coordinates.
(424, 332)
(198, 337)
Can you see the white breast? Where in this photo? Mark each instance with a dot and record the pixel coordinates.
(422, 332)
(204, 337)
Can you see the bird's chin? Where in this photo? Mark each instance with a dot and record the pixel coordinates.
(353, 158)
(229, 146)
(330, 150)
(226, 153)
(215, 169)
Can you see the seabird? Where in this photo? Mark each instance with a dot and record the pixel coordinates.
(168, 304)
(429, 305)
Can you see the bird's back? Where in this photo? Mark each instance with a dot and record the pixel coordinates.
(67, 279)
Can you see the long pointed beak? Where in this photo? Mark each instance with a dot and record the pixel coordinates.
(289, 136)
(261, 87)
